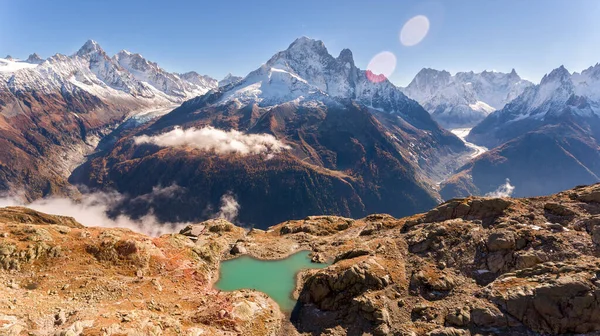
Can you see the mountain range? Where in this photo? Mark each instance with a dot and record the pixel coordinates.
(466, 98)
(306, 131)
(545, 140)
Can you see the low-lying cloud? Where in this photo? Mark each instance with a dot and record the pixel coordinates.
(219, 141)
(229, 208)
(92, 209)
(505, 190)
(160, 192)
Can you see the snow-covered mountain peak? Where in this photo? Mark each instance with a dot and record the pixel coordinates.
(135, 62)
(9, 58)
(561, 96)
(10, 65)
(34, 59)
(306, 69)
(592, 72)
(90, 47)
(184, 86)
(307, 43)
(203, 83)
(303, 55)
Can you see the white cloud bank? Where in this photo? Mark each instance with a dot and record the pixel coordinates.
(505, 190)
(219, 141)
(92, 209)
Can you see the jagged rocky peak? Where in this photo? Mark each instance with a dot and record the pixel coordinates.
(593, 71)
(428, 78)
(303, 52)
(134, 61)
(8, 57)
(34, 59)
(198, 79)
(346, 57)
(559, 94)
(560, 74)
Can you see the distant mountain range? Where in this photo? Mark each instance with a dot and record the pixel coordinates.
(465, 99)
(54, 111)
(547, 139)
(124, 76)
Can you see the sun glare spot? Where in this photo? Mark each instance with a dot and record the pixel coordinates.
(414, 30)
(381, 66)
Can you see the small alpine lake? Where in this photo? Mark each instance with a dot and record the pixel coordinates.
(276, 278)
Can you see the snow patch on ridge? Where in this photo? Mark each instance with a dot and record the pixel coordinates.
(14, 65)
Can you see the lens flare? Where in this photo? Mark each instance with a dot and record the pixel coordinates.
(381, 66)
(414, 30)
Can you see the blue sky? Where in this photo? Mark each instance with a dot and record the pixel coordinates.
(217, 37)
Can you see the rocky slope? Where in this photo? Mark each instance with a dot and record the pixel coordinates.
(466, 98)
(484, 266)
(547, 139)
(350, 146)
(53, 112)
(60, 278)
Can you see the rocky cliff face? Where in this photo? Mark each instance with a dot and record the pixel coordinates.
(470, 266)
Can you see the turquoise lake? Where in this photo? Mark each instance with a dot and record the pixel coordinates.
(276, 278)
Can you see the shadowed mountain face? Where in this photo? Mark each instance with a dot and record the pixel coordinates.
(353, 147)
(541, 162)
(340, 161)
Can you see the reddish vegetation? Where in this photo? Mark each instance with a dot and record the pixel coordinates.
(37, 130)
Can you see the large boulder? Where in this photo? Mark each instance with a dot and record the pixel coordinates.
(502, 240)
(335, 287)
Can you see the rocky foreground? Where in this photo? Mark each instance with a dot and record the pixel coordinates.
(484, 266)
